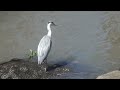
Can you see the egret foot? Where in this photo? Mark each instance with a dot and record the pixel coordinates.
(44, 65)
(45, 69)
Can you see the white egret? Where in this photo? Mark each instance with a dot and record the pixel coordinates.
(44, 46)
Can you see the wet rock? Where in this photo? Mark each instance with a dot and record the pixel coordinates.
(25, 69)
(111, 75)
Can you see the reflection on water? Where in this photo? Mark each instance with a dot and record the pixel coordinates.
(88, 41)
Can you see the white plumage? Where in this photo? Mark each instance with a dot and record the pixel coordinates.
(44, 48)
(45, 45)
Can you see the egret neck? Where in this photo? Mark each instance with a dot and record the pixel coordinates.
(49, 30)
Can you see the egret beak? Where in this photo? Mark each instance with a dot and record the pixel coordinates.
(54, 24)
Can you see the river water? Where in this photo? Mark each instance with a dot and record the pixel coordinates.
(88, 41)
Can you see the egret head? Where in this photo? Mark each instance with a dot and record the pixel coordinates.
(52, 23)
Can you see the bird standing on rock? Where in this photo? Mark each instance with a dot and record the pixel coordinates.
(44, 46)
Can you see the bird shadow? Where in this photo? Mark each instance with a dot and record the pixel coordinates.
(61, 63)
(57, 65)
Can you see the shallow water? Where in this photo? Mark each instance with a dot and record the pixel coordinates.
(89, 41)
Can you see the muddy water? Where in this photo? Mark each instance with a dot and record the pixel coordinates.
(88, 41)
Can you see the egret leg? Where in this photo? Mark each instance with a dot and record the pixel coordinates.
(38, 60)
(45, 65)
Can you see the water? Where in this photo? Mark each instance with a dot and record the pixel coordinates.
(89, 41)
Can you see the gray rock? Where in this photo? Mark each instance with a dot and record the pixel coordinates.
(24, 69)
(111, 75)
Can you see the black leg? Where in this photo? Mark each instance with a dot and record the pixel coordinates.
(45, 65)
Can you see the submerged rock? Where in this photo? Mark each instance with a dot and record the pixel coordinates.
(22, 69)
(111, 75)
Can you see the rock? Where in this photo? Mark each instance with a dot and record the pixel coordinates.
(25, 69)
(111, 75)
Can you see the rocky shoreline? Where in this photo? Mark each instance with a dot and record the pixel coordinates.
(110, 75)
(25, 69)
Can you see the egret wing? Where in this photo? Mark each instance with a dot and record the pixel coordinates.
(44, 47)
